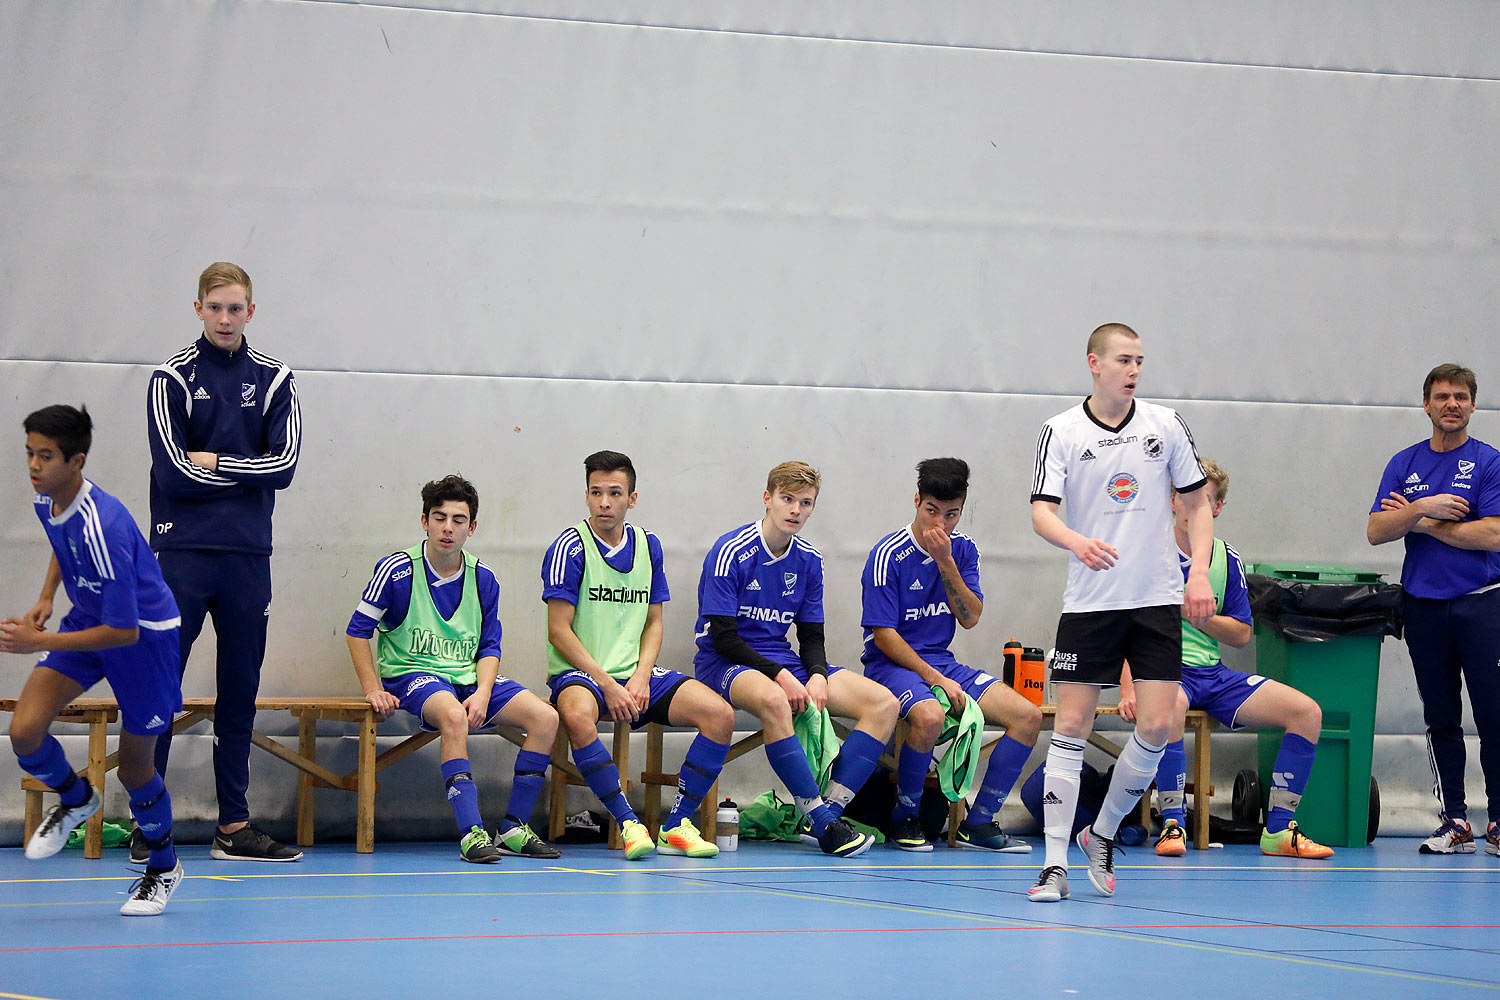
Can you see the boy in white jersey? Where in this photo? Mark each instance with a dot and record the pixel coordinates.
(757, 580)
(437, 611)
(1114, 461)
(919, 581)
(1236, 699)
(604, 585)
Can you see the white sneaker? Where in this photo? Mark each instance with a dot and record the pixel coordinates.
(1101, 854)
(1453, 837)
(149, 894)
(60, 821)
(1051, 885)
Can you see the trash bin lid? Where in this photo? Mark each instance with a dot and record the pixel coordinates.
(1317, 572)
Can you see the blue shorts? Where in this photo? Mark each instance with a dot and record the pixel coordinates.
(1218, 690)
(144, 678)
(414, 689)
(721, 678)
(664, 684)
(910, 689)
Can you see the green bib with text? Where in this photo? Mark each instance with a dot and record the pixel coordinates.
(610, 614)
(427, 643)
(1198, 650)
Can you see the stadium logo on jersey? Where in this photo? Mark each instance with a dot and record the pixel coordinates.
(401, 575)
(427, 643)
(202, 393)
(754, 585)
(916, 585)
(1111, 442)
(1152, 446)
(915, 614)
(766, 615)
(1122, 487)
(618, 595)
(790, 579)
(247, 394)
(1087, 456)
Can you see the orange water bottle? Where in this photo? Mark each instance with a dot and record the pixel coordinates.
(1031, 674)
(1012, 663)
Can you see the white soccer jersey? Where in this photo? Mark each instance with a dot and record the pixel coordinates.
(1115, 485)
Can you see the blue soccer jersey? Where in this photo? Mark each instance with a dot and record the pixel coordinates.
(562, 566)
(902, 590)
(107, 568)
(388, 596)
(1236, 589)
(1433, 568)
(764, 594)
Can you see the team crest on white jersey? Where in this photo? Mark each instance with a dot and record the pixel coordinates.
(1152, 445)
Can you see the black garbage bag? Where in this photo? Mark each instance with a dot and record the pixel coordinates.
(1301, 611)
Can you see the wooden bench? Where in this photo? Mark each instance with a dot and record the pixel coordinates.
(99, 713)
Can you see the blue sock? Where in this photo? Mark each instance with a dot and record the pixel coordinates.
(152, 808)
(531, 775)
(1006, 761)
(1294, 762)
(700, 769)
(462, 795)
(598, 769)
(1171, 782)
(790, 765)
(911, 775)
(49, 765)
(851, 769)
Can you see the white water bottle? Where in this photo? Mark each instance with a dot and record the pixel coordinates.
(727, 822)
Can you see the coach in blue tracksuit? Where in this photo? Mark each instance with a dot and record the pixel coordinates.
(1442, 496)
(225, 432)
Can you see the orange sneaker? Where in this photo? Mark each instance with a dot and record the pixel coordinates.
(1173, 842)
(1290, 843)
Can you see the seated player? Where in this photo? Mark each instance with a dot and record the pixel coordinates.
(918, 581)
(604, 586)
(439, 659)
(757, 580)
(1236, 699)
(122, 628)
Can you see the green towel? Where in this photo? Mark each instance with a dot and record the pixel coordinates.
(820, 742)
(115, 835)
(766, 817)
(957, 752)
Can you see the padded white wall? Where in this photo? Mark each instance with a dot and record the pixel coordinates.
(493, 243)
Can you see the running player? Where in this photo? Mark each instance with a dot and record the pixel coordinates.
(604, 587)
(757, 580)
(122, 628)
(439, 659)
(1236, 699)
(1113, 460)
(1441, 496)
(225, 432)
(918, 582)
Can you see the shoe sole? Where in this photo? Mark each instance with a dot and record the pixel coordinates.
(864, 845)
(522, 854)
(1018, 847)
(221, 855)
(98, 804)
(1492, 849)
(921, 848)
(1460, 849)
(155, 912)
(678, 852)
(481, 861)
(1175, 851)
(1049, 896)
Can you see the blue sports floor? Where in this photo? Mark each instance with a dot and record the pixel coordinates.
(776, 921)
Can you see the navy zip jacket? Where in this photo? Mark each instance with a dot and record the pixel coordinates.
(241, 405)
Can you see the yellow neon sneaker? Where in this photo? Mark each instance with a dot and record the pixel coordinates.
(1173, 842)
(685, 840)
(637, 840)
(1291, 843)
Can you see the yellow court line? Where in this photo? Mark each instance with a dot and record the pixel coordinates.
(21, 996)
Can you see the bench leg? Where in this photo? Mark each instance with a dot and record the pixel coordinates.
(33, 815)
(708, 813)
(655, 737)
(557, 786)
(364, 820)
(307, 747)
(1202, 792)
(93, 832)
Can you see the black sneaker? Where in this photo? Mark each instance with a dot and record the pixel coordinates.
(140, 851)
(907, 835)
(841, 840)
(522, 842)
(250, 843)
(477, 848)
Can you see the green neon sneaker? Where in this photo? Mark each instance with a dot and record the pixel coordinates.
(637, 840)
(685, 840)
(477, 848)
(522, 842)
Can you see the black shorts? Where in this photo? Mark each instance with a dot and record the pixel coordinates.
(1093, 645)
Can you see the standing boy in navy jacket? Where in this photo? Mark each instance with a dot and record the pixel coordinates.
(225, 432)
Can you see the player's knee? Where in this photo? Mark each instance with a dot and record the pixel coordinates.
(926, 724)
(1307, 719)
(451, 719)
(1028, 727)
(718, 722)
(580, 724)
(773, 708)
(26, 737)
(543, 723)
(135, 774)
(882, 715)
(1181, 706)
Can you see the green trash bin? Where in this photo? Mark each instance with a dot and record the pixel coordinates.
(1341, 675)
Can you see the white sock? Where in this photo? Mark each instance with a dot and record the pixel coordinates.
(1133, 774)
(1060, 796)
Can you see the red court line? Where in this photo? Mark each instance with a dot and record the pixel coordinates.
(769, 931)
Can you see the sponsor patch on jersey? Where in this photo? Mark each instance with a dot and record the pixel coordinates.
(1122, 487)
